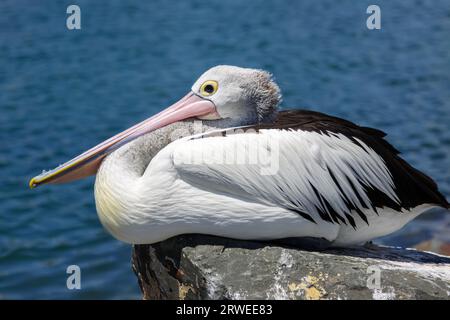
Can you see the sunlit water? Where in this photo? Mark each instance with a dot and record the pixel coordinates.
(63, 91)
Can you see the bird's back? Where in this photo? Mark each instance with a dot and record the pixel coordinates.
(412, 186)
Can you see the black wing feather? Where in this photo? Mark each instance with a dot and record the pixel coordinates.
(412, 186)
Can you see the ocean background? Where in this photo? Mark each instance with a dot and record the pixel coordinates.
(64, 91)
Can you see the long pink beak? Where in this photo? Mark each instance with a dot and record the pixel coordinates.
(88, 162)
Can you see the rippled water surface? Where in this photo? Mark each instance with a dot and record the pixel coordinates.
(63, 91)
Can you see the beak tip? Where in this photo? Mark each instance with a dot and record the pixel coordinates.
(33, 184)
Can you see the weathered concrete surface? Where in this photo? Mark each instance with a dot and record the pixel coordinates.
(206, 267)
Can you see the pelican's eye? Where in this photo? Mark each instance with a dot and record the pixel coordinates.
(208, 88)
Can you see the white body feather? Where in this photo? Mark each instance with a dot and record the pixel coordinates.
(213, 185)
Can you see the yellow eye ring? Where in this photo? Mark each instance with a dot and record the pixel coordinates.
(208, 88)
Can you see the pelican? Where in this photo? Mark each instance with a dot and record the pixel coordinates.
(224, 161)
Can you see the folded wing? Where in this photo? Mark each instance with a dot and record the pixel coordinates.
(318, 166)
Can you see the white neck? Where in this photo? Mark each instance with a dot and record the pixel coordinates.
(115, 188)
(123, 202)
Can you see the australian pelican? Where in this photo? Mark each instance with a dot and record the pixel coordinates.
(224, 161)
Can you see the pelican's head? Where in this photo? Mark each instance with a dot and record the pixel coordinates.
(245, 96)
(236, 96)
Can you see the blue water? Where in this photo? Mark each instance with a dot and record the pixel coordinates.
(63, 91)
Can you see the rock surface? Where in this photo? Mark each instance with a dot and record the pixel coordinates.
(206, 267)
